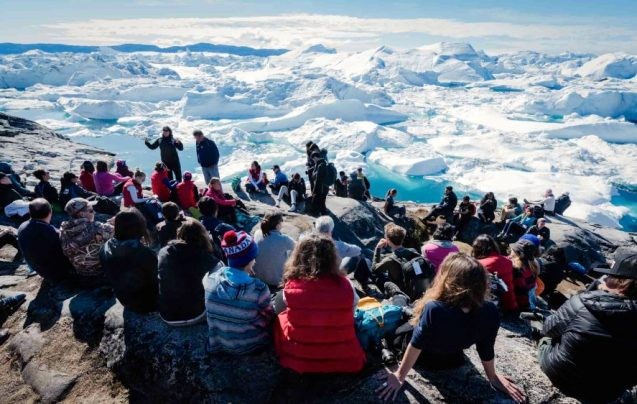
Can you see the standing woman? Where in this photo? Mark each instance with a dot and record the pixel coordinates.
(452, 316)
(168, 147)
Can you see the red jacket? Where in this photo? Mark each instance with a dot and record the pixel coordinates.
(87, 181)
(504, 267)
(186, 193)
(128, 201)
(316, 334)
(159, 188)
(523, 281)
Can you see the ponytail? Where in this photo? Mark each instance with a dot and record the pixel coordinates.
(270, 222)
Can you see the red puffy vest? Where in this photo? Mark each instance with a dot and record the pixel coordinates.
(504, 267)
(186, 194)
(128, 200)
(316, 334)
(159, 188)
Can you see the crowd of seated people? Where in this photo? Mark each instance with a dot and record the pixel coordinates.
(272, 290)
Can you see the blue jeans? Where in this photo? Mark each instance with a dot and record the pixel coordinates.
(210, 172)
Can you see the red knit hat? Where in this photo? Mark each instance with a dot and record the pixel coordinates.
(239, 247)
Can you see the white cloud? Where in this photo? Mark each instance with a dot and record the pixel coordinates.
(352, 33)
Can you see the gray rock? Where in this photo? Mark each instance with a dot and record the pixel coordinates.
(49, 384)
(28, 342)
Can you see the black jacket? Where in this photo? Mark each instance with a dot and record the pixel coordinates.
(207, 153)
(181, 270)
(45, 190)
(167, 230)
(8, 194)
(487, 207)
(168, 147)
(340, 187)
(448, 203)
(131, 269)
(41, 248)
(592, 354)
(320, 176)
(298, 187)
(73, 191)
(356, 188)
(562, 203)
(544, 232)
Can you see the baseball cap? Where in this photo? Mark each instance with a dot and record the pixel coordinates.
(624, 264)
(76, 205)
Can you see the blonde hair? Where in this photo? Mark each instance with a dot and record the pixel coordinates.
(395, 233)
(461, 281)
(520, 262)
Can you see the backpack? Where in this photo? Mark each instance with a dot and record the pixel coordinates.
(330, 174)
(152, 209)
(105, 206)
(236, 184)
(417, 275)
(538, 211)
(375, 320)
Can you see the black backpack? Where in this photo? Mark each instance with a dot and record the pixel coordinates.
(105, 206)
(538, 211)
(417, 275)
(330, 174)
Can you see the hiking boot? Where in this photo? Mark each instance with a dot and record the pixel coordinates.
(10, 304)
(292, 208)
(391, 289)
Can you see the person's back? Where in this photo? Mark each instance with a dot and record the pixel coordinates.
(45, 190)
(392, 264)
(187, 192)
(437, 250)
(131, 269)
(158, 181)
(496, 263)
(40, 245)
(167, 230)
(356, 188)
(273, 252)
(562, 203)
(592, 353)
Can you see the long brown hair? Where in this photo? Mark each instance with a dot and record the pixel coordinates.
(270, 222)
(312, 257)
(461, 281)
(193, 233)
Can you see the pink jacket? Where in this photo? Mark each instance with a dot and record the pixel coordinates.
(104, 182)
(437, 250)
(218, 197)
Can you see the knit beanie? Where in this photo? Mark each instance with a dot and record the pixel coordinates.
(239, 248)
(532, 238)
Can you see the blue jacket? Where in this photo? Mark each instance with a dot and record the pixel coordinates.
(207, 153)
(280, 179)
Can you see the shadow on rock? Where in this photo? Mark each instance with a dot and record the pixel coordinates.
(46, 308)
(88, 310)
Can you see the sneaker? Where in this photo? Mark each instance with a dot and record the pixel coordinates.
(10, 304)
(277, 204)
(292, 208)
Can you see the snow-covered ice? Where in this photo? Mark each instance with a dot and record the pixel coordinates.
(514, 124)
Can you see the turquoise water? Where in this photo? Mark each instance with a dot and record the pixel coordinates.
(417, 189)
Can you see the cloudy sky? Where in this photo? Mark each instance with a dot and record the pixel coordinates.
(496, 26)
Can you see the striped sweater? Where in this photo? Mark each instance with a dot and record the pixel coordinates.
(238, 311)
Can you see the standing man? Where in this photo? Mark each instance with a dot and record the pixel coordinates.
(320, 187)
(207, 156)
(168, 147)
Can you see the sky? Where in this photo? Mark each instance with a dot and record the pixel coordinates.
(555, 26)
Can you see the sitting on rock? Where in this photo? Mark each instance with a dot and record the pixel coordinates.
(511, 210)
(122, 169)
(553, 268)
(257, 180)
(40, 243)
(340, 186)
(437, 249)
(108, 184)
(215, 227)
(453, 315)
(315, 329)
(276, 186)
(547, 202)
(44, 189)
(188, 195)
(225, 203)
(589, 350)
(390, 208)
(525, 272)
(445, 207)
(182, 265)
(133, 193)
(173, 219)
(161, 185)
(294, 192)
(562, 203)
(488, 205)
(86, 176)
(517, 226)
(129, 266)
(238, 306)
(541, 231)
(14, 178)
(466, 210)
(70, 188)
(356, 188)
(82, 237)
(274, 249)
(8, 193)
(486, 250)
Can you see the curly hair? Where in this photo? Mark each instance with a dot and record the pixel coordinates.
(461, 282)
(313, 256)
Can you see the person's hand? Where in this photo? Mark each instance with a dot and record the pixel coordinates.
(382, 243)
(391, 386)
(505, 385)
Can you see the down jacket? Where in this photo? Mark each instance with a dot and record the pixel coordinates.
(592, 355)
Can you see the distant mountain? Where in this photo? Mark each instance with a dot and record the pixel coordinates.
(7, 48)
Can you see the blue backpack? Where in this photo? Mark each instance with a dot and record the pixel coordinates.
(375, 322)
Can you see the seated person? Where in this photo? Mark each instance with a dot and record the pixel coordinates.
(257, 180)
(294, 192)
(589, 350)
(547, 202)
(70, 188)
(18, 185)
(44, 189)
(553, 268)
(82, 237)
(525, 272)
(86, 176)
(133, 197)
(517, 226)
(188, 195)
(238, 307)
(390, 208)
(562, 203)
(340, 186)
(8, 193)
(541, 231)
(511, 210)
(161, 185)
(437, 249)
(122, 169)
(446, 323)
(215, 227)
(486, 250)
(466, 210)
(108, 184)
(40, 243)
(173, 219)
(226, 204)
(131, 267)
(488, 205)
(315, 330)
(356, 187)
(182, 264)
(446, 206)
(388, 265)
(274, 249)
(276, 186)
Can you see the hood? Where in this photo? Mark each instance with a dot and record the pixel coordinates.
(6, 168)
(74, 227)
(232, 283)
(616, 313)
(114, 247)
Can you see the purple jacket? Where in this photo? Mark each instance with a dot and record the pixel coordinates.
(104, 182)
